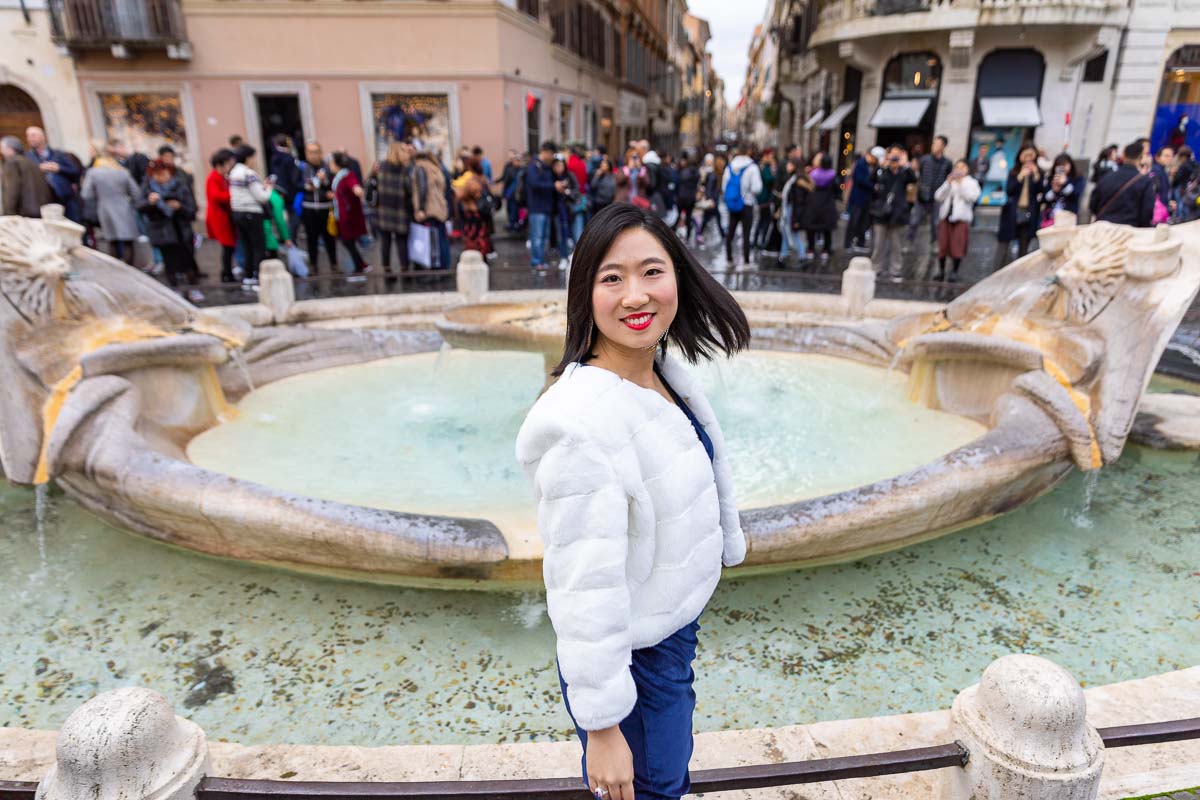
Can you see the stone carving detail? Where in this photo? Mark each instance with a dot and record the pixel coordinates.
(34, 268)
(1092, 271)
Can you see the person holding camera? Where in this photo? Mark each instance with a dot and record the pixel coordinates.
(891, 211)
(956, 199)
(1062, 190)
(1019, 218)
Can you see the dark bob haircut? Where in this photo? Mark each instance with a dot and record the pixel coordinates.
(709, 320)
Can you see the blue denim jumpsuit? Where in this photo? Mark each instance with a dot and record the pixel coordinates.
(659, 729)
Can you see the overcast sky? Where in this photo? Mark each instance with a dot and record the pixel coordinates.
(732, 23)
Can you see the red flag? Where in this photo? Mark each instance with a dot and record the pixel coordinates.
(530, 101)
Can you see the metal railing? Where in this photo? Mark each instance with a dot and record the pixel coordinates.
(103, 23)
(759, 776)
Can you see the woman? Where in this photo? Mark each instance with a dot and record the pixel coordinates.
(169, 209)
(1106, 162)
(394, 205)
(109, 189)
(470, 192)
(218, 221)
(685, 195)
(710, 179)
(794, 200)
(1019, 217)
(568, 210)
(603, 186)
(821, 212)
(1062, 189)
(276, 233)
(956, 209)
(627, 181)
(248, 196)
(348, 210)
(621, 445)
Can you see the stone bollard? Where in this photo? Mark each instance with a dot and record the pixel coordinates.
(1025, 725)
(275, 289)
(472, 276)
(126, 744)
(858, 285)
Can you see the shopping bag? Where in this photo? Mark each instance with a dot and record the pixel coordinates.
(331, 226)
(297, 262)
(420, 245)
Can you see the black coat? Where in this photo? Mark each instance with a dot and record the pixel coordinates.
(1125, 197)
(689, 183)
(798, 198)
(166, 226)
(1009, 215)
(821, 212)
(890, 205)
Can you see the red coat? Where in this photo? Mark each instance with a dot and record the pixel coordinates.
(579, 170)
(217, 216)
(351, 222)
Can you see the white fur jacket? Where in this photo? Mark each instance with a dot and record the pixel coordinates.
(635, 523)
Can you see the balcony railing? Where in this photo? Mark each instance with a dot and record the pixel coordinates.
(117, 23)
(835, 12)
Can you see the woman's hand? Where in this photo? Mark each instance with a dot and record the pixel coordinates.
(610, 764)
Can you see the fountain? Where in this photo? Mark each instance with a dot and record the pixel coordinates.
(117, 380)
(175, 425)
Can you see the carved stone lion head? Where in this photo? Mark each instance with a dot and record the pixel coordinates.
(1092, 271)
(34, 267)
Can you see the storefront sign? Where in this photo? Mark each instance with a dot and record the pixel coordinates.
(631, 109)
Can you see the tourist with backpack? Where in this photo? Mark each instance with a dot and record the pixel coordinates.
(739, 191)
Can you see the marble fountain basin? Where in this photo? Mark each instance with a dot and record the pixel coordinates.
(116, 380)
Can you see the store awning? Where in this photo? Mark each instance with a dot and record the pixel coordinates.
(834, 121)
(900, 112)
(814, 119)
(1010, 112)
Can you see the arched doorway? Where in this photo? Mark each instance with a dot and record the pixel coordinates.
(1007, 111)
(1177, 115)
(907, 111)
(17, 111)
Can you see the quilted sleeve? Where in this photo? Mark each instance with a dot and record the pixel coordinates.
(733, 551)
(583, 521)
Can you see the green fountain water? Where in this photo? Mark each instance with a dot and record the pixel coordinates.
(1100, 576)
(434, 433)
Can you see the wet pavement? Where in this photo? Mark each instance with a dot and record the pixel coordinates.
(510, 269)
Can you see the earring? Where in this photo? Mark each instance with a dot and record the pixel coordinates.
(661, 339)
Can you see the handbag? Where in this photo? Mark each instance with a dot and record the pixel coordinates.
(1161, 214)
(420, 246)
(331, 226)
(297, 263)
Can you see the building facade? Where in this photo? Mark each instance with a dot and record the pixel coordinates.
(501, 74)
(35, 77)
(1070, 75)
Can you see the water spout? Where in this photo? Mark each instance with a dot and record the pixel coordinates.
(41, 494)
(1082, 518)
(238, 358)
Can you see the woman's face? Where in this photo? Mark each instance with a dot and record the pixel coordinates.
(1028, 155)
(635, 295)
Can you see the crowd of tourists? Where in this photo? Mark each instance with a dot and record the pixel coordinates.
(414, 205)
